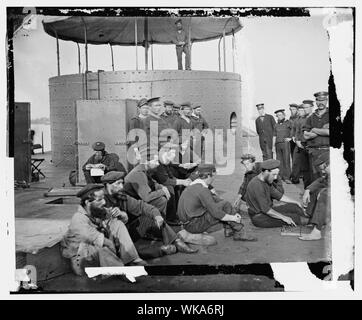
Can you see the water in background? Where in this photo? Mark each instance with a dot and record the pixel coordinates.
(39, 128)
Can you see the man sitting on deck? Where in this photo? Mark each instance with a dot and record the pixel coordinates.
(259, 199)
(103, 161)
(95, 239)
(141, 219)
(321, 199)
(252, 169)
(199, 210)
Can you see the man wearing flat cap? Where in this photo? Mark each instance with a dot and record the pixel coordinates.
(103, 162)
(300, 159)
(184, 125)
(317, 197)
(157, 129)
(316, 132)
(142, 220)
(182, 42)
(265, 128)
(283, 136)
(260, 194)
(199, 210)
(136, 123)
(169, 114)
(94, 238)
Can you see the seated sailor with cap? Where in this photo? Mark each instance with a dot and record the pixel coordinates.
(259, 199)
(95, 239)
(142, 220)
(252, 169)
(103, 162)
(199, 210)
(319, 203)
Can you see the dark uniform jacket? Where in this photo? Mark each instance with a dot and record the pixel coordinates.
(248, 176)
(316, 121)
(110, 160)
(260, 195)
(293, 120)
(299, 124)
(199, 122)
(283, 130)
(265, 129)
(170, 119)
(195, 201)
(140, 185)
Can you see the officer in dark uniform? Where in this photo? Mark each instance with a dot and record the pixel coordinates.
(316, 131)
(169, 114)
(265, 128)
(283, 129)
(293, 108)
(201, 125)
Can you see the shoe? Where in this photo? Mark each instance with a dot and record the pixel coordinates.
(196, 238)
(168, 249)
(241, 236)
(175, 222)
(228, 232)
(138, 262)
(183, 247)
(287, 181)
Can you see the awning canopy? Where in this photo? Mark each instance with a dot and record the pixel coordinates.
(121, 30)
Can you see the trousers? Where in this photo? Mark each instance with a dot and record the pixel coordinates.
(179, 51)
(282, 150)
(262, 220)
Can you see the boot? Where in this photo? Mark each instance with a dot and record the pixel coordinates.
(196, 238)
(242, 236)
(168, 249)
(183, 247)
(138, 262)
(228, 232)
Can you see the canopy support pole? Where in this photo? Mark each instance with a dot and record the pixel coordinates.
(136, 41)
(146, 42)
(224, 48)
(112, 57)
(190, 41)
(58, 58)
(219, 54)
(233, 49)
(152, 56)
(79, 68)
(86, 59)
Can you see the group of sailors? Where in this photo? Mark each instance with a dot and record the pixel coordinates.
(162, 206)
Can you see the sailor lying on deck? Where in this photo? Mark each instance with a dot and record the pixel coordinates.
(142, 220)
(96, 239)
(199, 210)
(259, 197)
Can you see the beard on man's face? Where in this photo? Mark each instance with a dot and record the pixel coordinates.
(98, 212)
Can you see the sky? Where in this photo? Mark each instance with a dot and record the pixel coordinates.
(280, 60)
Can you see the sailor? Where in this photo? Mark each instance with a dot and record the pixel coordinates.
(300, 159)
(259, 199)
(169, 114)
(156, 128)
(142, 220)
(199, 121)
(199, 210)
(316, 131)
(265, 128)
(293, 108)
(181, 40)
(103, 161)
(94, 238)
(283, 129)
